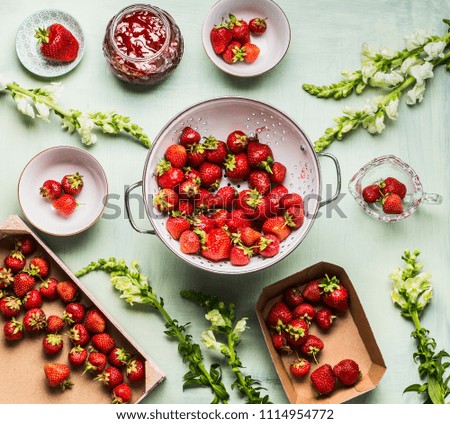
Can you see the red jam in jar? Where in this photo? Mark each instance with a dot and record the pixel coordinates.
(142, 44)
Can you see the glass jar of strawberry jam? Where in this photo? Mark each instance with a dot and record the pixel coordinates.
(142, 44)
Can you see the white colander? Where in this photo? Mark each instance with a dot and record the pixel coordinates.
(290, 146)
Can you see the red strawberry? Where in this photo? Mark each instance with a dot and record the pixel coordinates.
(189, 189)
(77, 356)
(273, 199)
(300, 367)
(65, 205)
(371, 193)
(74, 313)
(57, 43)
(323, 380)
(269, 245)
(6, 278)
(237, 219)
(324, 318)
(78, 335)
(236, 167)
(226, 197)
(216, 245)
(15, 261)
(32, 299)
(22, 284)
(257, 26)
(196, 155)
(177, 226)
(261, 211)
(293, 296)
(189, 242)
(210, 174)
(13, 330)
(392, 185)
(51, 190)
(122, 393)
(276, 226)
(53, 344)
(278, 173)
(279, 316)
(189, 137)
(259, 155)
(35, 320)
(249, 236)
(167, 175)
(392, 204)
(95, 321)
(67, 291)
(184, 208)
(220, 217)
(111, 376)
(10, 306)
(312, 346)
(191, 174)
(205, 200)
(248, 200)
(119, 357)
(40, 267)
(72, 183)
(237, 141)
(177, 156)
(103, 342)
(48, 289)
(216, 150)
(26, 244)
(165, 200)
(232, 53)
(347, 372)
(203, 222)
(312, 292)
(291, 199)
(240, 29)
(240, 255)
(250, 51)
(294, 217)
(280, 343)
(335, 295)
(220, 37)
(304, 311)
(54, 324)
(136, 370)
(58, 375)
(296, 331)
(260, 181)
(96, 362)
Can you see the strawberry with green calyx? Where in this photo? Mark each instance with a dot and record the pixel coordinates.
(72, 183)
(35, 320)
(177, 225)
(334, 294)
(13, 330)
(189, 136)
(32, 299)
(299, 367)
(269, 245)
(54, 324)
(202, 222)
(260, 181)
(277, 226)
(237, 167)
(278, 174)
(184, 209)
(323, 380)
(226, 197)
(247, 235)
(57, 375)
(257, 26)
(291, 200)
(167, 175)
(259, 155)
(220, 217)
(177, 156)
(196, 155)
(48, 288)
(240, 255)
(239, 28)
(312, 346)
(304, 311)
(324, 318)
(216, 245)
(189, 189)
(74, 313)
(6, 278)
(220, 36)
(78, 335)
(296, 331)
(122, 393)
(95, 363)
(111, 377)
(95, 321)
(312, 292)
(51, 190)
(39, 267)
(211, 175)
(65, 205)
(237, 142)
(26, 244)
(23, 283)
(53, 344)
(15, 261)
(392, 186)
(371, 193)
(347, 372)
(10, 306)
(280, 343)
(135, 370)
(279, 316)
(250, 52)
(294, 217)
(119, 357)
(216, 150)
(392, 204)
(77, 356)
(57, 43)
(233, 53)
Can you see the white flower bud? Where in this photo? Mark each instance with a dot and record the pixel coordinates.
(388, 53)
(240, 327)
(408, 62)
(415, 94)
(209, 340)
(391, 109)
(4, 82)
(377, 125)
(43, 111)
(434, 50)
(24, 105)
(418, 39)
(216, 319)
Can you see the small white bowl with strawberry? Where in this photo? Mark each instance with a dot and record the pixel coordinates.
(246, 39)
(389, 190)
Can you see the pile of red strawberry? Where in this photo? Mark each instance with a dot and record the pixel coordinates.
(61, 194)
(231, 39)
(227, 223)
(92, 347)
(290, 321)
(390, 192)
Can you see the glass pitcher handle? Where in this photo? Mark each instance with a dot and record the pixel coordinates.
(431, 199)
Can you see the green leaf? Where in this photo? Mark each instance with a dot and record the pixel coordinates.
(413, 388)
(435, 391)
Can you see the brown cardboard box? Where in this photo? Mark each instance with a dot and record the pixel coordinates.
(349, 337)
(22, 378)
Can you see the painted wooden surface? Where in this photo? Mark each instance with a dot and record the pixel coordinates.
(326, 38)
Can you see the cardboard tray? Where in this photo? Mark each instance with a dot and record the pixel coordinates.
(349, 337)
(22, 362)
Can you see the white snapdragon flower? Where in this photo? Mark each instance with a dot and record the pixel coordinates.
(43, 111)
(53, 90)
(376, 125)
(391, 79)
(85, 129)
(351, 76)
(387, 53)
(422, 72)
(240, 327)
(350, 111)
(418, 39)
(391, 109)
(210, 342)
(216, 319)
(67, 123)
(24, 105)
(415, 94)
(434, 50)
(367, 52)
(368, 71)
(408, 63)
(371, 106)
(4, 82)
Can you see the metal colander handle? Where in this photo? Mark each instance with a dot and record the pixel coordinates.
(338, 179)
(128, 209)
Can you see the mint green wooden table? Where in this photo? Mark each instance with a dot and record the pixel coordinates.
(326, 37)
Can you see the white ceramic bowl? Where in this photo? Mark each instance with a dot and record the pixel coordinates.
(273, 44)
(53, 164)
